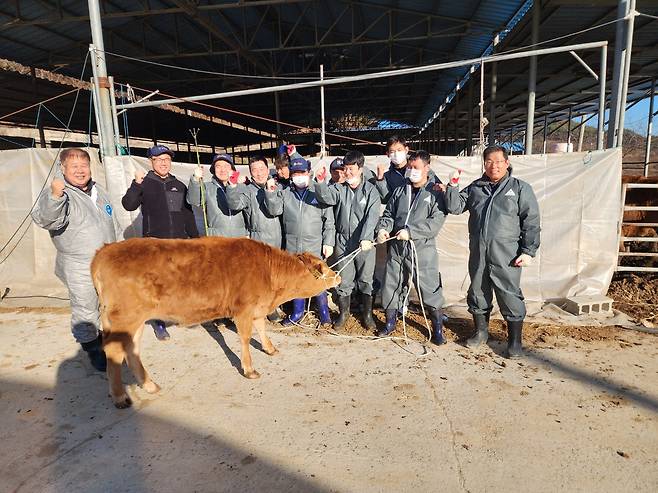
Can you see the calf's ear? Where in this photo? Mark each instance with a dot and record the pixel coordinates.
(313, 264)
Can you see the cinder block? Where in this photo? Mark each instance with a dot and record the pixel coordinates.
(584, 305)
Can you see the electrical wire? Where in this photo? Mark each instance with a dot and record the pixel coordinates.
(258, 117)
(52, 166)
(199, 71)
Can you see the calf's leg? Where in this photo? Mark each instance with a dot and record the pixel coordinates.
(244, 325)
(268, 347)
(135, 363)
(115, 344)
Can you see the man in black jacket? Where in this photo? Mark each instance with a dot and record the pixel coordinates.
(165, 212)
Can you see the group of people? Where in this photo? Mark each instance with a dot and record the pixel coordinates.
(337, 218)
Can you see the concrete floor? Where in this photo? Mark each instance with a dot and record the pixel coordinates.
(328, 414)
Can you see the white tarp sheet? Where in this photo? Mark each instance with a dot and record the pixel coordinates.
(578, 194)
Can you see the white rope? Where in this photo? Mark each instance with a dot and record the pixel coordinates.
(415, 266)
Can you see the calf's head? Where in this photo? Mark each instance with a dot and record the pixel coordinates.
(317, 276)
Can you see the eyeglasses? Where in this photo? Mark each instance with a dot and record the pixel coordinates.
(490, 162)
(164, 159)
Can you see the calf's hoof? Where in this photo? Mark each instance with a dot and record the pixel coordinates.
(252, 374)
(122, 402)
(151, 387)
(271, 351)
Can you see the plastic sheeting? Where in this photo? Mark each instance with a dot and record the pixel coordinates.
(578, 194)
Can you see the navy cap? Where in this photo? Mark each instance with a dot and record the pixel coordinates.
(337, 164)
(157, 150)
(299, 164)
(223, 157)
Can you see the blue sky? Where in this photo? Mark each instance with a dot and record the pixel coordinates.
(636, 118)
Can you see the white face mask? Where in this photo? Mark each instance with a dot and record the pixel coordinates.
(354, 180)
(415, 175)
(399, 157)
(300, 181)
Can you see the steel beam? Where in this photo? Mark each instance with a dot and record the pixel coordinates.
(532, 79)
(104, 108)
(371, 76)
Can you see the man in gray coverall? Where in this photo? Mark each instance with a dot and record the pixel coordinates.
(250, 198)
(222, 220)
(356, 210)
(78, 215)
(415, 213)
(308, 226)
(503, 237)
(388, 180)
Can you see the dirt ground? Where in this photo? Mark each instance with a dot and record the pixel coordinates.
(332, 413)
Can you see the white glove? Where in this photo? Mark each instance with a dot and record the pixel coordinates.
(327, 250)
(366, 245)
(139, 176)
(403, 235)
(382, 236)
(198, 173)
(523, 260)
(454, 178)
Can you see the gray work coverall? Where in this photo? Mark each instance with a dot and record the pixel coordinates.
(222, 220)
(307, 224)
(262, 225)
(423, 216)
(503, 223)
(79, 224)
(356, 213)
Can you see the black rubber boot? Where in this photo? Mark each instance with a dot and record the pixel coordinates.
(481, 334)
(94, 350)
(366, 311)
(275, 316)
(343, 311)
(436, 315)
(514, 335)
(391, 319)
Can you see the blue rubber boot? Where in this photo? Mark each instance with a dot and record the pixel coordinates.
(436, 316)
(322, 302)
(160, 331)
(297, 312)
(391, 319)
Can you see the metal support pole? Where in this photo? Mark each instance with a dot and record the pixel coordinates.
(569, 128)
(647, 149)
(115, 118)
(456, 123)
(278, 117)
(581, 134)
(602, 76)
(630, 24)
(469, 123)
(323, 141)
(442, 122)
(545, 133)
(98, 61)
(532, 80)
(94, 98)
(492, 104)
(511, 141)
(616, 104)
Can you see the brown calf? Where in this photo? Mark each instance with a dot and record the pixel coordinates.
(193, 281)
